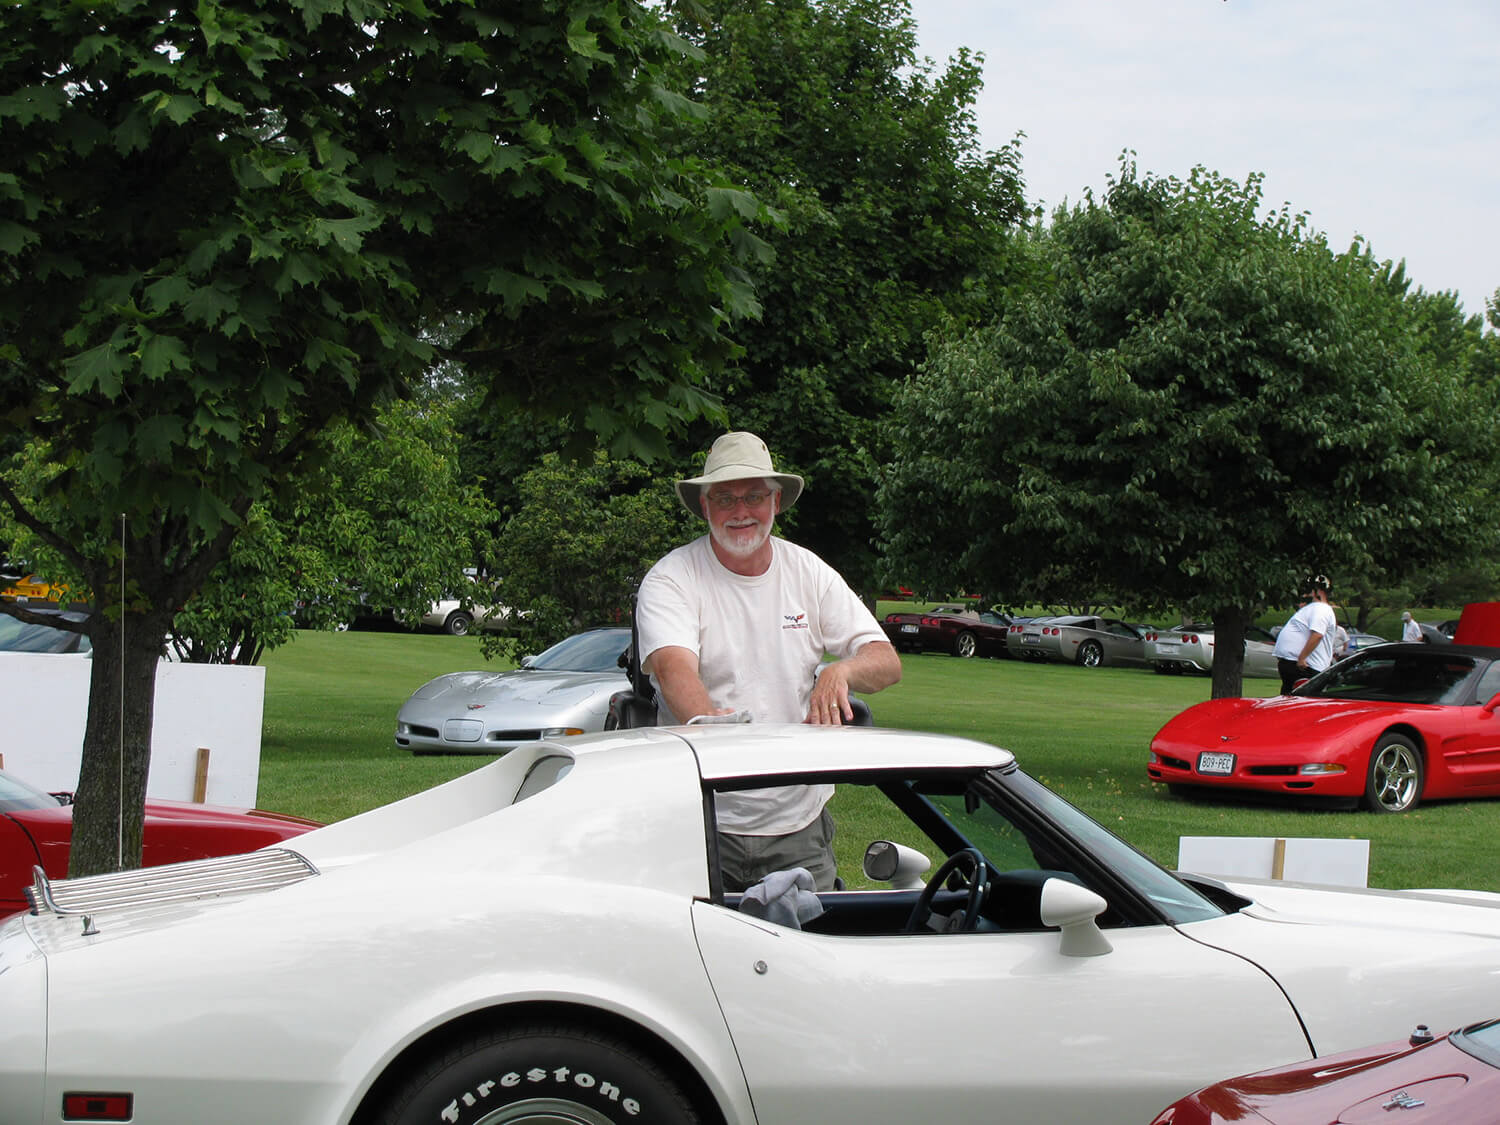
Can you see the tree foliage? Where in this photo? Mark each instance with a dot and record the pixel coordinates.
(1188, 406)
(894, 221)
(578, 544)
(385, 522)
(226, 225)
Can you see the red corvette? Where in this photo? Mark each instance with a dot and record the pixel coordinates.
(1388, 726)
(1453, 1079)
(36, 829)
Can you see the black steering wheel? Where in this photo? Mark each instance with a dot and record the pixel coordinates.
(979, 888)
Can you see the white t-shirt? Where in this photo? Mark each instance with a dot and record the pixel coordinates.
(1411, 631)
(1314, 617)
(759, 641)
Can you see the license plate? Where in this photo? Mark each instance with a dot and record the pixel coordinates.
(1030, 639)
(1215, 763)
(1165, 648)
(910, 629)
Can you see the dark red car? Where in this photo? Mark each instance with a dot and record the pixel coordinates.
(36, 828)
(955, 629)
(1453, 1079)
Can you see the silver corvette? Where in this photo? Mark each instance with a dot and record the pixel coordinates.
(563, 691)
(1190, 648)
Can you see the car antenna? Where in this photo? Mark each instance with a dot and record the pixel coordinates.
(120, 731)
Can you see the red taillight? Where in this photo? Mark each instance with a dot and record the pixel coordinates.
(97, 1107)
(1191, 638)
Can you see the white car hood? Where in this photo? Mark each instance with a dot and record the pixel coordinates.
(1310, 904)
(1410, 956)
(489, 689)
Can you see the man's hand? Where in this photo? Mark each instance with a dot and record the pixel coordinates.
(829, 704)
(875, 666)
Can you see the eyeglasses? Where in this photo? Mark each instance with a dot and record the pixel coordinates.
(726, 501)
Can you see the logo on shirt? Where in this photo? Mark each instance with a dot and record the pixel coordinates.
(793, 621)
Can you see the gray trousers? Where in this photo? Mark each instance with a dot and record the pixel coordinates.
(746, 860)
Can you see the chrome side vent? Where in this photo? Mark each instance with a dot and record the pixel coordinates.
(231, 876)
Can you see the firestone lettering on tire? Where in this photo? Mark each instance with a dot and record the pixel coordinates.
(558, 1076)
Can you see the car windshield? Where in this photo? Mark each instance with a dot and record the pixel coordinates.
(596, 651)
(1481, 1040)
(16, 795)
(18, 636)
(1004, 838)
(1396, 677)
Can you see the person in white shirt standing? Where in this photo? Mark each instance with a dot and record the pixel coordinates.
(1304, 647)
(1411, 632)
(740, 620)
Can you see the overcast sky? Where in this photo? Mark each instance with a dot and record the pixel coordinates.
(1378, 118)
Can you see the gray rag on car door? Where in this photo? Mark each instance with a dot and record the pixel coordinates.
(787, 898)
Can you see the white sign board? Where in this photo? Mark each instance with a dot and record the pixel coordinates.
(1344, 863)
(214, 706)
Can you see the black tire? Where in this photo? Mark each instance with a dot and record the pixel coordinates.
(458, 624)
(538, 1076)
(1091, 654)
(1394, 778)
(965, 644)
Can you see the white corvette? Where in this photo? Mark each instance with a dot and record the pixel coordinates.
(545, 941)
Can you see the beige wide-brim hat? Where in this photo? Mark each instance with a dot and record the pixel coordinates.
(738, 456)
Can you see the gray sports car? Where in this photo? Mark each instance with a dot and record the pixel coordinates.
(563, 691)
(1082, 639)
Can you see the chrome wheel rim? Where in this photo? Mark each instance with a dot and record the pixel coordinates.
(545, 1111)
(1394, 777)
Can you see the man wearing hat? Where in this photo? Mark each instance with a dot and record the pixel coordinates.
(739, 620)
(1304, 647)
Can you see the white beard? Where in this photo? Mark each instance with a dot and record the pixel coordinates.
(743, 541)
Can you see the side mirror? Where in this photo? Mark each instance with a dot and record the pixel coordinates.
(1073, 909)
(896, 864)
(1494, 704)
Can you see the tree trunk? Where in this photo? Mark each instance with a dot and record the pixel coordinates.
(109, 804)
(1230, 623)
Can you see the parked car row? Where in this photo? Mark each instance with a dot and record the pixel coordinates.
(964, 631)
(1093, 641)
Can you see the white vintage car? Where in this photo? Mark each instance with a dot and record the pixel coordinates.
(546, 940)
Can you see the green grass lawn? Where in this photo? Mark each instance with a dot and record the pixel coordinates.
(331, 701)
